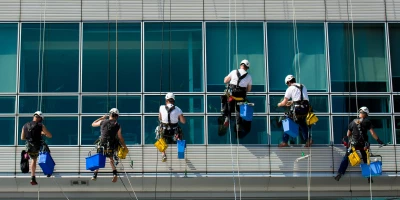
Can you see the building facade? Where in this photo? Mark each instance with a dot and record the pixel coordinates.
(76, 59)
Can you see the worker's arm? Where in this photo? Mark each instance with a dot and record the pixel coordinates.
(284, 102)
(159, 116)
(23, 134)
(46, 132)
(375, 136)
(249, 88)
(182, 119)
(227, 79)
(97, 122)
(121, 139)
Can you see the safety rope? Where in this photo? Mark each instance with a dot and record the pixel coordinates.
(126, 174)
(108, 56)
(298, 75)
(116, 53)
(237, 128)
(161, 80)
(170, 82)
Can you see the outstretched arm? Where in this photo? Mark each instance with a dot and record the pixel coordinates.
(121, 139)
(46, 132)
(97, 122)
(375, 136)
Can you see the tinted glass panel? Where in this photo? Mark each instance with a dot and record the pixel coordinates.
(394, 32)
(193, 130)
(396, 103)
(382, 127)
(214, 103)
(370, 57)
(8, 57)
(63, 129)
(224, 55)
(304, 58)
(375, 104)
(319, 104)
(188, 104)
(179, 47)
(98, 104)
(7, 104)
(320, 132)
(99, 62)
(130, 128)
(8, 126)
(59, 104)
(60, 54)
(257, 135)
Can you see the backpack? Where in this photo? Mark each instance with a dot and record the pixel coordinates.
(238, 91)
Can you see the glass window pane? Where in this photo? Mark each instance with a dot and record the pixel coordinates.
(394, 39)
(397, 125)
(99, 57)
(98, 104)
(8, 57)
(7, 104)
(214, 103)
(320, 132)
(130, 127)
(8, 130)
(382, 127)
(346, 104)
(181, 54)
(60, 70)
(63, 129)
(188, 104)
(307, 62)
(257, 135)
(319, 103)
(58, 104)
(193, 130)
(250, 46)
(396, 103)
(370, 57)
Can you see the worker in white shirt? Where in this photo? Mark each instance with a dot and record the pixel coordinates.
(299, 107)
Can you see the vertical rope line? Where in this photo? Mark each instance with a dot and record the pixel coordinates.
(116, 53)
(108, 56)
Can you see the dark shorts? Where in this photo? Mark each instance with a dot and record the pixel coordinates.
(32, 149)
(108, 151)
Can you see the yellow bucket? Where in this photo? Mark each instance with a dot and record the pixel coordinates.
(354, 157)
(161, 145)
(311, 118)
(122, 152)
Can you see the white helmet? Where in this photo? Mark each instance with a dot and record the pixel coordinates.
(245, 62)
(364, 110)
(38, 113)
(114, 111)
(170, 95)
(288, 78)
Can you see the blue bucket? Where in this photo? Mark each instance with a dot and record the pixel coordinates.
(290, 127)
(96, 161)
(246, 112)
(181, 144)
(374, 169)
(46, 162)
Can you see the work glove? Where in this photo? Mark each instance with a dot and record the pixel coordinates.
(380, 142)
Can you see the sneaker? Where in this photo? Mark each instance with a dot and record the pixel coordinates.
(33, 181)
(370, 180)
(115, 178)
(338, 176)
(283, 144)
(94, 177)
(164, 158)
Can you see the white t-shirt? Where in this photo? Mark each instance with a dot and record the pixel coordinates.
(294, 93)
(174, 115)
(244, 82)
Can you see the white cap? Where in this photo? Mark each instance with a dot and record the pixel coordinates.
(114, 111)
(364, 110)
(288, 78)
(38, 113)
(170, 95)
(245, 62)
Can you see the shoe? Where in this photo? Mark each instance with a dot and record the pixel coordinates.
(115, 178)
(308, 143)
(94, 177)
(370, 180)
(283, 144)
(164, 158)
(33, 181)
(338, 176)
